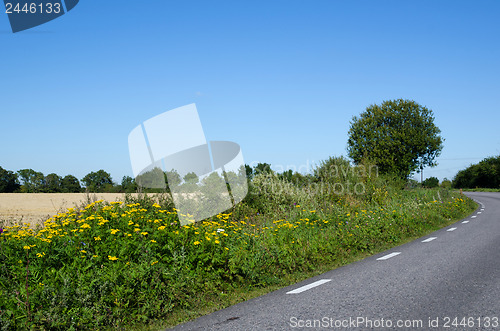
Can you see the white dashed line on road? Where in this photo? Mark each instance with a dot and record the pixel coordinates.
(479, 212)
(451, 229)
(388, 256)
(473, 216)
(310, 286)
(429, 239)
(465, 222)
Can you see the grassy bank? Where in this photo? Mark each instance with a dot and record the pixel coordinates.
(131, 265)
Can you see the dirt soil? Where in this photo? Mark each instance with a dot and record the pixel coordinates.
(35, 208)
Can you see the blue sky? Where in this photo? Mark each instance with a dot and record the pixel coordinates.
(281, 78)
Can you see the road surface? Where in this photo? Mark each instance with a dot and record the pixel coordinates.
(448, 280)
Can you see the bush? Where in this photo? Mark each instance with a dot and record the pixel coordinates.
(446, 184)
(431, 182)
(485, 174)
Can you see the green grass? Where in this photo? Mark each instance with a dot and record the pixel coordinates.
(132, 266)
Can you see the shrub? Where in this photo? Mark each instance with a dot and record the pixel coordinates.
(431, 182)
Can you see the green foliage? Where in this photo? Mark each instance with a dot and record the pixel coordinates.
(70, 184)
(32, 181)
(152, 179)
(109, 266)
(398, 135)
(97, 181)
(446, 184)
(270, 195)
(191, 178)
(431, 182)
(128, 184)
(412, 183)
(155, 180)
(249, 172)
(35, 182)
(485, 174)
(262, 168)
(53, 183)
(173, 179)
(8, 181)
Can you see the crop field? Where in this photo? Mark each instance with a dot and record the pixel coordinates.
(34, 208)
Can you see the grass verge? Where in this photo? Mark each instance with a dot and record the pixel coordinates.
(132, 266)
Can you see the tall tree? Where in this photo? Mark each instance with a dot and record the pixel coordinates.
(70, 184)
(173, 179)
(97, 181)
(398, 135)
(128, 184)
(152, 179)
(8, 181)
(32, 181)
(53, 183)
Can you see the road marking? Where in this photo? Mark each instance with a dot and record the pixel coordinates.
(451, 229)
(479, 212)
(473, 216)
(307, 287)
(388, 256)
(429, 239)
(482, 209)
(465, 222)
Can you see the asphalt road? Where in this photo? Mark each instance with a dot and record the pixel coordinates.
(451, 282)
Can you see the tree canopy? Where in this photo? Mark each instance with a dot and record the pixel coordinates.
(32, 181)
(8, 181)
(97, 181)
(485, 174)
(398, 135)
(70, 184)
(431, 182)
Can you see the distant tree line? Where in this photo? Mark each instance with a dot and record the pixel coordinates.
(485, 174)
(155, 180)
(31, 181)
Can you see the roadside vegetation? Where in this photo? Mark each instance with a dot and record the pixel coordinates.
(132, 265)
(483, 176)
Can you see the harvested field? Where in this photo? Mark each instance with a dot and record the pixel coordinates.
(34, 208)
